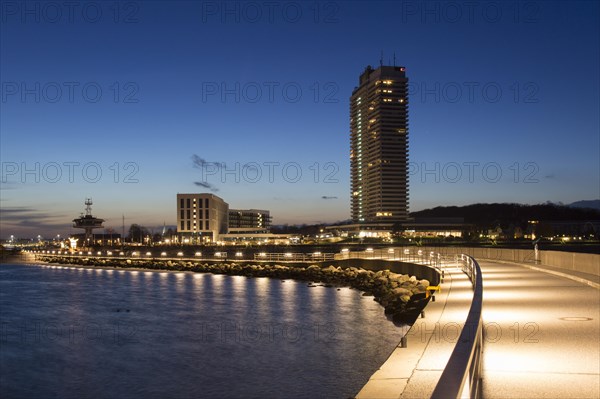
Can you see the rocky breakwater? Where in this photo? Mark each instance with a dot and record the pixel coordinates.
(402, 296)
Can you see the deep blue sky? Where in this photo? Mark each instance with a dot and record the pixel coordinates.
(503, 106)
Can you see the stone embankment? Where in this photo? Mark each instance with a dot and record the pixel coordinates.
(402, 296)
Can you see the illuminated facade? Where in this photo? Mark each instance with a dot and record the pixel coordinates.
(249, 218)
(379, 146)
(202, 217)
(205, 218)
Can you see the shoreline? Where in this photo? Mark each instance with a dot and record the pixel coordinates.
(402, 296)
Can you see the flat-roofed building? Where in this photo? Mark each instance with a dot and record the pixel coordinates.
(379, 146)
(249, 219)
(201, 217)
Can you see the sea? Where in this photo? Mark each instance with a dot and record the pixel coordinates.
(73, 332)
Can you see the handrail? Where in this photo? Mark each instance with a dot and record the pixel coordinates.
(462, 374)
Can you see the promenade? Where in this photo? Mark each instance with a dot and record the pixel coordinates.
(541, 334)
(414, 371)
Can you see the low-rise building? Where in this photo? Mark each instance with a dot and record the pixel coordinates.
(249, 219)
(201, 218)
(204, 218)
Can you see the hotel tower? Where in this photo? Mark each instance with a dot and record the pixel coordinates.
(379, 146)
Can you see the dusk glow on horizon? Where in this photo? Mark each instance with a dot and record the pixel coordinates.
(131, 103)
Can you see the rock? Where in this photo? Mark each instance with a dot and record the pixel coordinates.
(401, 291)
(421, 288)
(381, 280)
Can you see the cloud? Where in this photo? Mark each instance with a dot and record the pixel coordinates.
(202, 164)
(8, 185)
(206, 185)
(197, 161)
(30, 218)
(20, 213)
(325, 197)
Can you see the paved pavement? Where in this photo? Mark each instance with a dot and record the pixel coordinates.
(414, 371)
(541, 337)
(541, 334)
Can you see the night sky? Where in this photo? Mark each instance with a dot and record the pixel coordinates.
(130, 103)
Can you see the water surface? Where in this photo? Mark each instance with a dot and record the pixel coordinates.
(77, 332)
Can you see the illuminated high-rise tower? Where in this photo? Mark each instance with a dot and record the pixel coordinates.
(379, 146)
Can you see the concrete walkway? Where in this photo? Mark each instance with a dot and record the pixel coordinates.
(414, 371)
(541, 334)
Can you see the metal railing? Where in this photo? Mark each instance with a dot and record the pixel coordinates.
(402, 254)
(294, 257)
(462, 375)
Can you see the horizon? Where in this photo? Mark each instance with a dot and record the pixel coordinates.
(153, 228)
(158, 100)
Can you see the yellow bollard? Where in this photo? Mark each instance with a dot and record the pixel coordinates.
(429, 290)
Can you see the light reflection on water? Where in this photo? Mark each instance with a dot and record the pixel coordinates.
(76, 332)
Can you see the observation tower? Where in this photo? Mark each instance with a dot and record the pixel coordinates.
(87, 221)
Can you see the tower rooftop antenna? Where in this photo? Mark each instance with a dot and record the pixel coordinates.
(88, 206)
